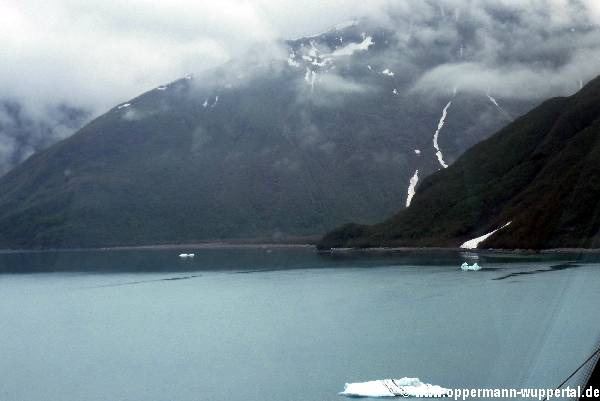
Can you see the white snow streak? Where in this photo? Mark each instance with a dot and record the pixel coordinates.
(411, 188)
(474, 243)
(292, 60)
(438, 152)
(495, 103)
(310, 78)
(352, 48)
(387, 72)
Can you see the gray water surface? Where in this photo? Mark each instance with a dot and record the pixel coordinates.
(279, 325)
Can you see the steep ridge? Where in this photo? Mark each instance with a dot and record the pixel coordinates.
(540, 174)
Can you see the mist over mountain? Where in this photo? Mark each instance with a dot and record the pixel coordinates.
(296, 138)
(61, 54)
(23, 135)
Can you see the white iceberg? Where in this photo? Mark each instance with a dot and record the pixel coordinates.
(186, 255)
(474, 267)
(405, 387)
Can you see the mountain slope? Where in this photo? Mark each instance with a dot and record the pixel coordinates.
(274, 149)
(540, 174)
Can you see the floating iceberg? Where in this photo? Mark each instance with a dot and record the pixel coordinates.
(186, 255)
(474, 267)
(405, 387)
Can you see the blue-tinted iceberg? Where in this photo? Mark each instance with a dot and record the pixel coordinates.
(474, 267)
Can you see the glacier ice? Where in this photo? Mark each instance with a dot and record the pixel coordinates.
(405, 387)
(466, 267)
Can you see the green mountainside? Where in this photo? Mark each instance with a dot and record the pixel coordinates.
(273, 151)
(541, 173)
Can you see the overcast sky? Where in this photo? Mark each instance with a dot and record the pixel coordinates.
(98, 53)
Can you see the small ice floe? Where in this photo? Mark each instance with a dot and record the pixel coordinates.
(474, 243)
(186, 255)
(161, 88)
(369, 67)
(205, 104)
(215, 102)
(124, 105)
(387, 72)
(190, 76)
(417, 151)
(395, 91)
(405, 387)
(466, 267)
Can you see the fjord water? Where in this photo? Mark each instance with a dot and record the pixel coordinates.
(286, 324)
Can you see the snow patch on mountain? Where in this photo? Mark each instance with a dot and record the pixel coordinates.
(310, 78)
(352, 48)
(436, 135)
(411, 187)
(292, 60)
(495, 103)
(474, 243)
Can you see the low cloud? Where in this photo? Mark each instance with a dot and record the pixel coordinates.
(93, 55)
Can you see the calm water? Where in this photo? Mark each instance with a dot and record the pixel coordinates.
(285, 325)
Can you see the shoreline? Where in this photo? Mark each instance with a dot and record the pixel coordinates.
(187, 246)
(342, 251)
(215, 245)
